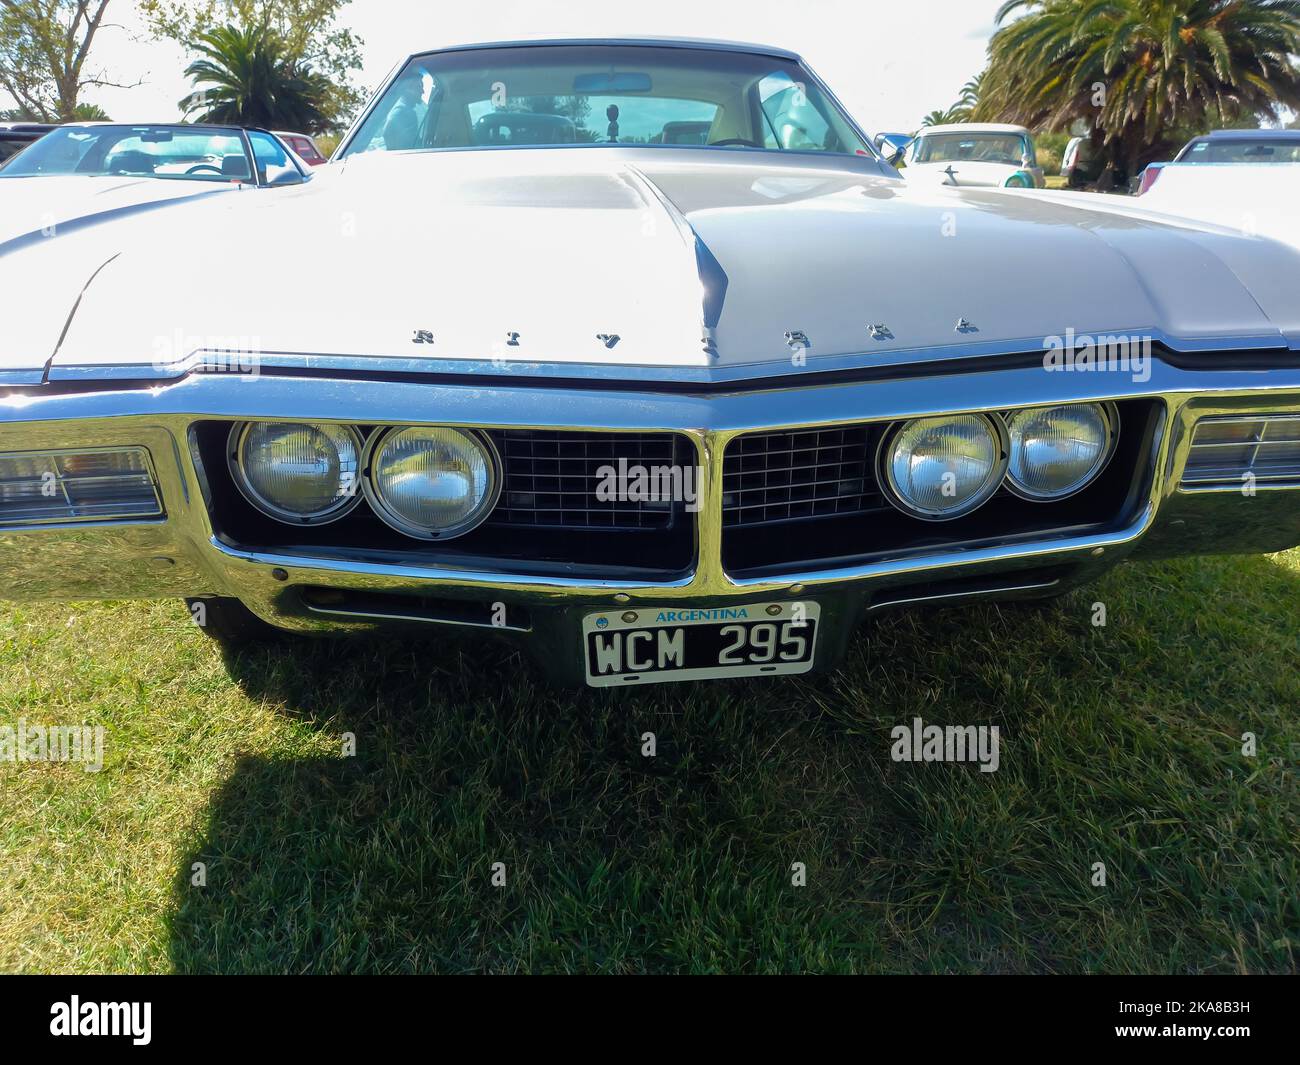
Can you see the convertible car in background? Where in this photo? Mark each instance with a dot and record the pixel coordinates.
(80, 175)
(681, 381)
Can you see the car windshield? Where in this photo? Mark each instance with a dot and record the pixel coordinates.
(179, 152)
(1008, 148)
(599, 95)
(1243, 150)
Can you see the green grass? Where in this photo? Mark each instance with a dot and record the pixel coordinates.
(1119, 744)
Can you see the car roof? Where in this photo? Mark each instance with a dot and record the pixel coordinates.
(704, 43)
(974, 127)
(1251, 135)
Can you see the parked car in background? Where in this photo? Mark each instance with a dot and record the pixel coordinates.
(304, 147)
(655, 411)
(1261, 202)
(975, 155)
(80, 175)
(1230, 147)
(172, 152)
(1080, 165)
(15, 136)
(1245, 179)
(1243, 146)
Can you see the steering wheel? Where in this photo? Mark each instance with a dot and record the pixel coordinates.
(734, 140)
(203, 166)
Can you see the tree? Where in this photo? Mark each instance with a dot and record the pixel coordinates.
(248, 81)
(44, 49)
(308, 31)
(90, 113)
(939, 118)
(1137, 71)
(969, 100)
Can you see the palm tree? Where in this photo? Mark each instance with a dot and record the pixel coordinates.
(968, 101)
(252, 83)
(939, 118)
(89, 113)
(1137, 70)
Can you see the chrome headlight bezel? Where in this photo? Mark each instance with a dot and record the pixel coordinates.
(235, 464)
(396, 521)
(1110, 420)
(994, 481)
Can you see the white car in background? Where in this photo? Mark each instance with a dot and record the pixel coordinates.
(1256, 201)
(1246, 180)
(975, 155)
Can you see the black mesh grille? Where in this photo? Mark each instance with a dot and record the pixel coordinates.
(779, 477)
(551, 479)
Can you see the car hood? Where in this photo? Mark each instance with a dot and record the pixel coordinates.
(636, 262)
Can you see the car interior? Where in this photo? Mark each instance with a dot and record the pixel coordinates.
(566, 96)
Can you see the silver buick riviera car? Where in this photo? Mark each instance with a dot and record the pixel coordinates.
(638, 353)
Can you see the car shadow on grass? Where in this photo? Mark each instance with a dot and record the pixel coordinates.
(488, 822)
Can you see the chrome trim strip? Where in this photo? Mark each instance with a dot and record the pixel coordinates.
(367, 615)
(782, 370)
(1001, 589)
(507, 405)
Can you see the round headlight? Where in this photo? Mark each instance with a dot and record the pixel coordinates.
(1057, 451)
(432, 482)
(941, 468)
(1021, 179)
(296, 472)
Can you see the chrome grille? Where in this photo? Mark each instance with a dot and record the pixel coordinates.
(551, 478)
(789, 476)
(1226, 450)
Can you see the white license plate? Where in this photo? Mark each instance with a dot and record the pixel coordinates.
(654, 645)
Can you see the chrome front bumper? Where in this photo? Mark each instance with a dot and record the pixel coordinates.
(181, 555)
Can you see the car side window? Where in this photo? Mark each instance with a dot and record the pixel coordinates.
(791, 121)
(274, 166)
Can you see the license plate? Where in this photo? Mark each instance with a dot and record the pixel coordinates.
(654, 645)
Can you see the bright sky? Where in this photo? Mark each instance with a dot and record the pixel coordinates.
(889, 61)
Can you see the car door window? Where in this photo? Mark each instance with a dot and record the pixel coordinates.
(791, 121)
(274, 167)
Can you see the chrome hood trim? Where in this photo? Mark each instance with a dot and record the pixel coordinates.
(698, 261)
